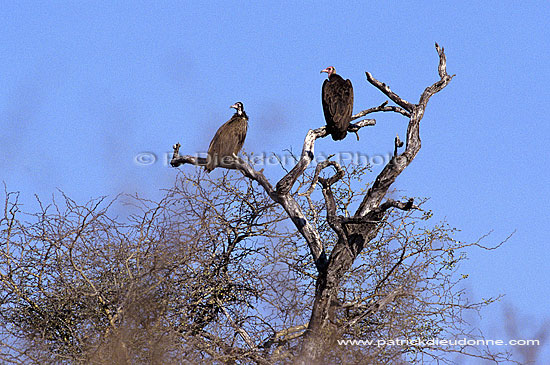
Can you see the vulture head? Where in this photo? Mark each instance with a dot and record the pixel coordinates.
(239, 107)
(329, 70)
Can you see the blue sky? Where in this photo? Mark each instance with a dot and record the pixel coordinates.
(87, 87)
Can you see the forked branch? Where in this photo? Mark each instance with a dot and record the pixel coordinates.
(384, 107)
(232, 164)
(285, 184)
(387, 176)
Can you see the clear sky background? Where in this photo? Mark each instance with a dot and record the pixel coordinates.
(84, 89)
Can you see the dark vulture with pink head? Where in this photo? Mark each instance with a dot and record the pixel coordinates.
(337, 99)
(229, 138)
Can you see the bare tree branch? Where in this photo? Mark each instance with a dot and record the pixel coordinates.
(332, 219)
(324, 164)
(244, 335)
(397, 144)
(227, 163)
(384, 107)
(376, 306)
(390, 203)
(390, 172)
(285, 335)
(390, 94)
(285, 184)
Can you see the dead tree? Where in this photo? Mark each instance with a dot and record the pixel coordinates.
(353, 232)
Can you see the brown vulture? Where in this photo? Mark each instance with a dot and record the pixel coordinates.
(337, 99)
(229, 138)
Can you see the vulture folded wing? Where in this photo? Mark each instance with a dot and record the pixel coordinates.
(229, 140)
(215, 149)
(337, 106)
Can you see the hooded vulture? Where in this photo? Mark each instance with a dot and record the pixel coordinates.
(337, 99)
(229, 138)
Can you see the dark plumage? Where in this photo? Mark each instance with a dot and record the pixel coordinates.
(337, 97)
(229, 138)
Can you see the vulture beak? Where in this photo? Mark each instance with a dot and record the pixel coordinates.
(329, 70)
(234, 106)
